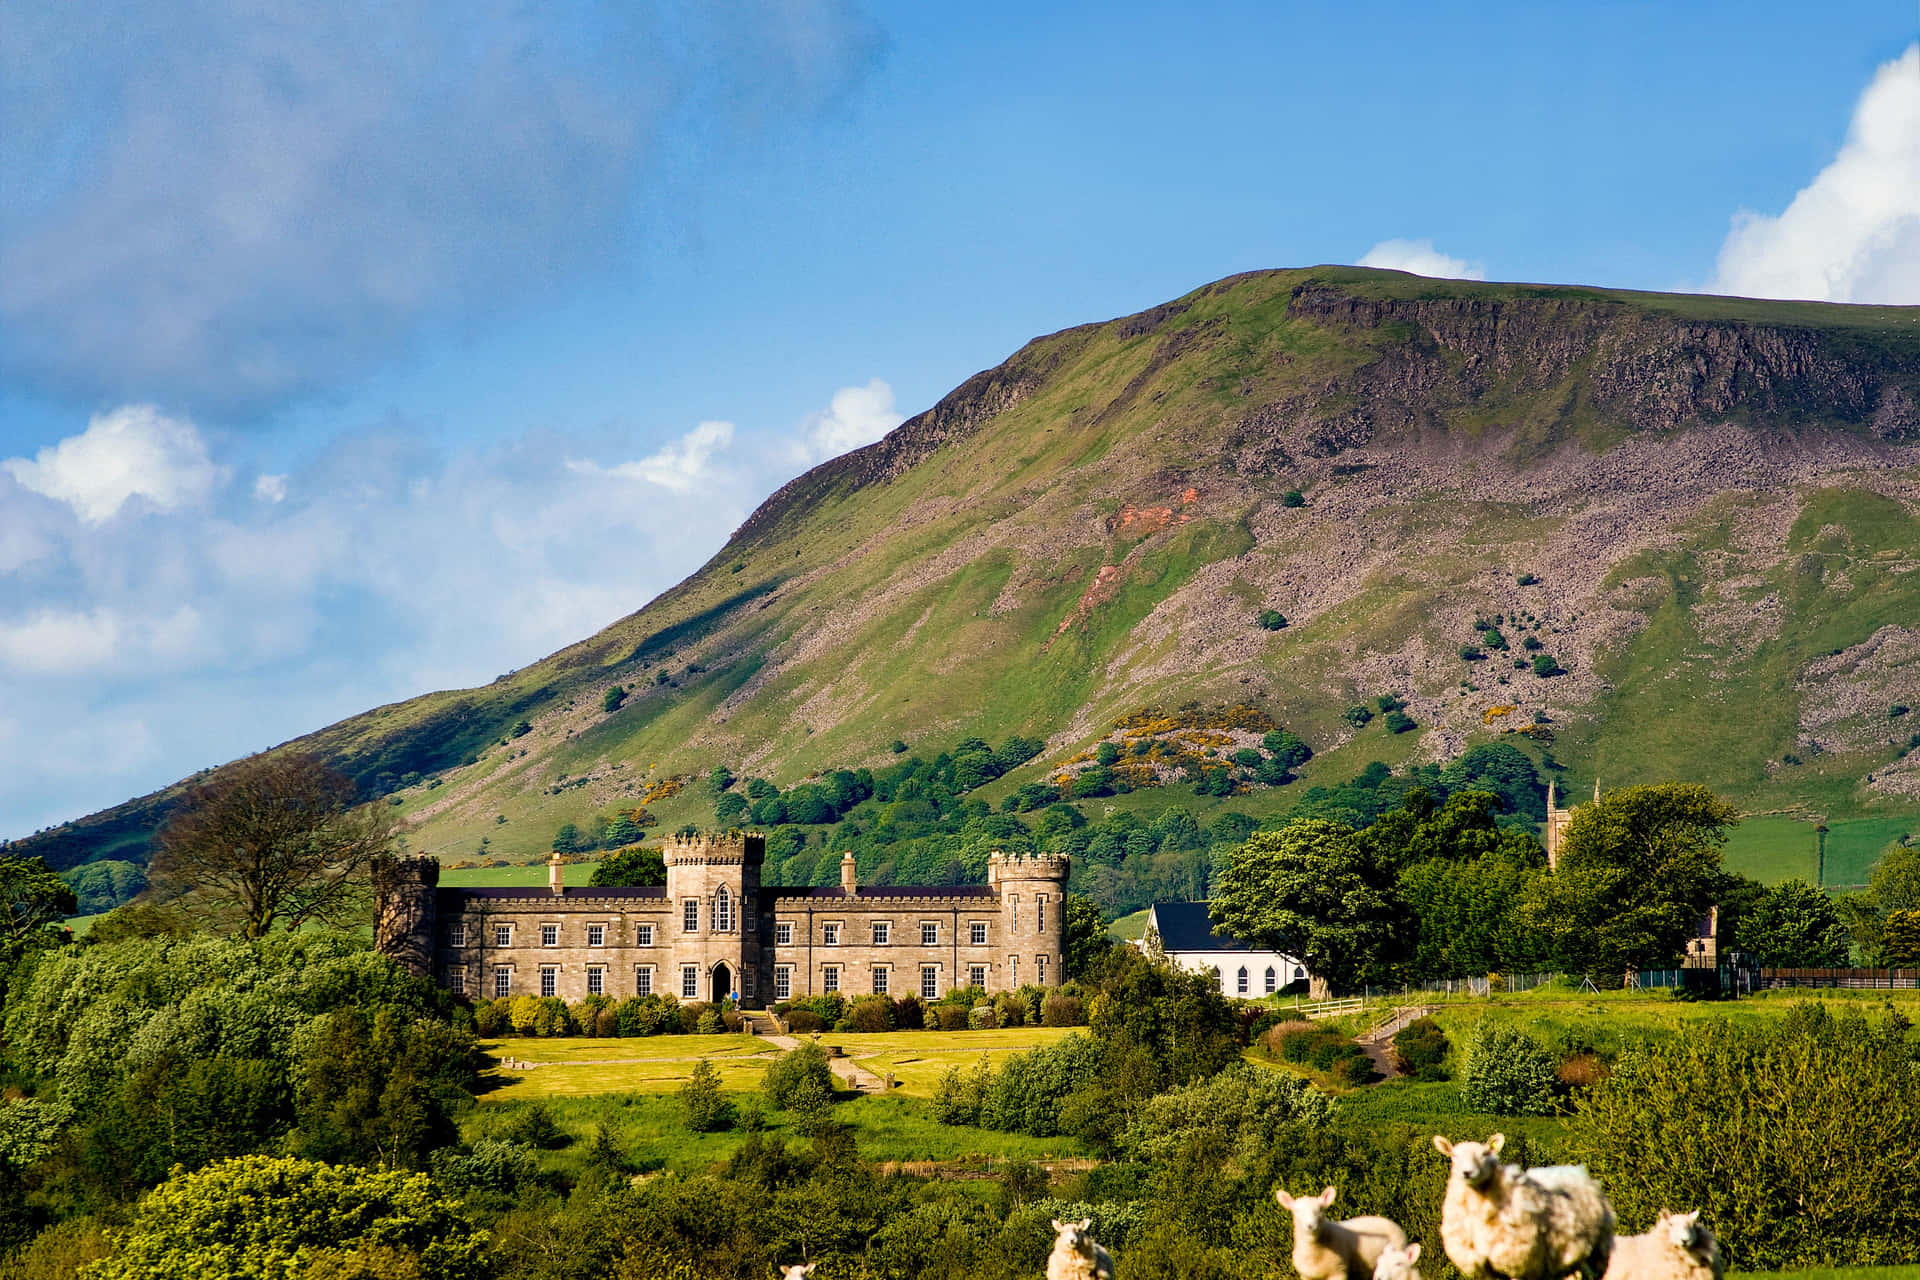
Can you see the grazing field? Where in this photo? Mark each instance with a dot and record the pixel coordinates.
(917, 1058)
(1773, 847)
(527, 874)
(1838, 1273)
(1129, 928)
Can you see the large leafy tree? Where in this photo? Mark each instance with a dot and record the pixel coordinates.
(1793, 924)
(1086, 935)
(1637, 873)
(1892, 886)
(272, 839)
(1315, 890)
(31, 898)
(630, 867)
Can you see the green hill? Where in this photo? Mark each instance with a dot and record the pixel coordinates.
(1703, 513)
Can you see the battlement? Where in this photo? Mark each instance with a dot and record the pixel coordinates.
(397, 874)
(1040, 866)
(732, 848)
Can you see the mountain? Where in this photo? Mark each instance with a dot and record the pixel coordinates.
(1705, 511)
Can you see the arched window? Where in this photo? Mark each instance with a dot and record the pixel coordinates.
(1299, 974)
(1273, 980)
(722, 911)
(1240, 984)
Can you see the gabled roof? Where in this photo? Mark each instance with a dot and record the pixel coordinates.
(1184, 926)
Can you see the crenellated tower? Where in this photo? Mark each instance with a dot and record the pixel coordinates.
(713, 884)
(1033, 909)
(404, 891)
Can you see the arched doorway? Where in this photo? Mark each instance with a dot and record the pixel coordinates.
(722, 983)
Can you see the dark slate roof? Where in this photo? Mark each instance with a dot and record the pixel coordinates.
(541, 891)
(883, 891)
(1184, 926)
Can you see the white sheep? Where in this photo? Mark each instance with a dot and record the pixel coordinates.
(1678, 1248)
(1077, 1255)
(1327, 1250)
(1397, 1264)
(798, 1271)
(1538, 1225)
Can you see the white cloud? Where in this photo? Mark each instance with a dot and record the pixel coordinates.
(1422, 259)
(135, 451)
(856, 416)
(270, 488)
(55, 643)
(1853, 233)
(681, 466)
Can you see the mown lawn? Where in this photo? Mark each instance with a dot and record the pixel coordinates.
(1840, 1273)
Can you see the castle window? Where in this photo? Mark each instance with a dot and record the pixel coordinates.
(1040, 916)
(783, 982)
(1040, 968)
(457, 935)
(723, 911)
(746, 984)
(830, 935)
(502, 982)
(549, 980)
(643, 979)
(503, 935)
(596, 980)
(1013, 971)
(689, 982)
(977, 933)
(1272, 980)
(457, 983)
(690, 916)
(1240, 984)
(879, 979)
(783, 934)
(830, 978)
(882, 932)
(643, 936)
(549, 935)
(977, 976)
(929, 982)
(596, 935)
(929, 934)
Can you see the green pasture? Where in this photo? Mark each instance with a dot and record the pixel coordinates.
(519, 875)
(1909, 1272)
(1129, 928)
(918, 1058)
(1774, 847)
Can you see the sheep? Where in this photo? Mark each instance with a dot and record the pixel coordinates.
(1678, 1248)
(1077, 1255)
(1397, 1264)
(1326, 1250)
(798, 1271)
(1537, 1225)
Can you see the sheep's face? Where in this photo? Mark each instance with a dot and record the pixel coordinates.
(1685, 1231)
(1073, 1236)
(1474, 1163)
(1309, 1212)
(797, 1272)
(1397, 1264)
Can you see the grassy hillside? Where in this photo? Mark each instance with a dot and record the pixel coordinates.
(1705, 511)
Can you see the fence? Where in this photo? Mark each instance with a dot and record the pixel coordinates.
(1845, 979)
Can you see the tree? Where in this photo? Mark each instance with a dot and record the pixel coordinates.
(1636, 875)
(258, 1216)
(567, 839)
(720, 780)
(1794, 925)
(1545, 665)
(1272, 620)
(1900, 940)
(271, 839)
(1086, 935)
(729, 808)
(1310, 889)
(1893, 885)
(615, 696)
(705, 1108)
(1289, 752)
(31, 898)
(630, 867)
(620, 831)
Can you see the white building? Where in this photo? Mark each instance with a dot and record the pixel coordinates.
(1187, 939)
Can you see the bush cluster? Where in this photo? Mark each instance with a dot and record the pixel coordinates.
(602, 1016)
(1505, 1071)
(1322, 1048)
(1420, 1050)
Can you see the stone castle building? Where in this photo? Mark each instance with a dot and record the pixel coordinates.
(1558, 820)
(714, 930)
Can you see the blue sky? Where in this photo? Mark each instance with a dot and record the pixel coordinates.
(353, 351)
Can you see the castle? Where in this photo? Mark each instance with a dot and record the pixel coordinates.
(1558, 820)
(713, 930)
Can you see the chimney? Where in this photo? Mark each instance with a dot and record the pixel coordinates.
(849, 884)
(556, 875)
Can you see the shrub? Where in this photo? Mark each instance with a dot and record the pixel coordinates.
(704, 1107)
(490, 1017)
(1062, 1010)
(1531, 644)
(709, 1024)
(831, 1007)
(1272, 620)
(1506, 1071)
(641, 1016)
(606, 1021)
(868, 1013)
(961, 1092)
(535, 1127)
(804, 1022)
(1009, 1010)
(1524, 580)
(786, 1073)
(524, 1013)
(491, 1164)
(1420, 1050)
(1357, 716)
(1244, 1107)
(952, 1017)
(551, 1018)
(909, 1013)
(1293, 498)
(1027, 1091)
(1545, 665)
(981, 1018)
(1399, 722)
(1471, 652)
(1356, 1069)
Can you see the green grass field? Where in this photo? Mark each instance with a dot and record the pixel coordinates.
(1129, 928)
(1840, 1273)
(531, 874)
(1772, 848)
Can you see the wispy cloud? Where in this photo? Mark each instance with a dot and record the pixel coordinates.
(857, 416)
(1422, 259)
(133, 452)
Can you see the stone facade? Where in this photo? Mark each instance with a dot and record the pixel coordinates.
(1558, 820)
(715, 930)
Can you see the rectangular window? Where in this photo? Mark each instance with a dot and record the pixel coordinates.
(690, 916)
(457, 935)
(977, 933)
(929, 934)
(503, 935)
(502, 983)
(783, 934)
(783, 982)
(723, 912)
(977, 976)
(689, 982)
(1013, 971)
(882, 933)
(596, 935)
(1041, 914)
(746, 984)
(829, 935)
(929, 982)
(643, 979)
(549, 935)
(1040, 968)
(830, 978)
(457, 983)
(549, 981)
(596, 980)
(643, 936)
(879, 979)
